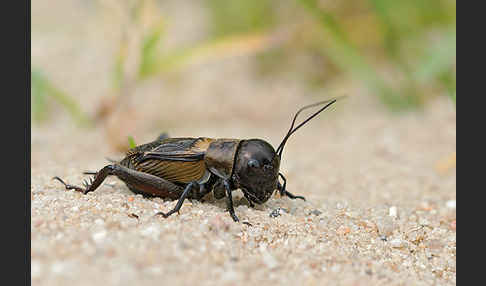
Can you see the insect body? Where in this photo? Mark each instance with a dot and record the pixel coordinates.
(180, 168)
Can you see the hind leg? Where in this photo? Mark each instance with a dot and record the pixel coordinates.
(143, 182)
(93, 184)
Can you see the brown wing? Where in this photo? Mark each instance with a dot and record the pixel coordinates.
(179, 160)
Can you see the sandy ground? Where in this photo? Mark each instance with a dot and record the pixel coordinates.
(380, 187)
(379, 212)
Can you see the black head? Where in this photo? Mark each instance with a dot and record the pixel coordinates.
(256, 169)
(257, 164)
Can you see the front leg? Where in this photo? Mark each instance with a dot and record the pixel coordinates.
(283, 191)
(229, 201)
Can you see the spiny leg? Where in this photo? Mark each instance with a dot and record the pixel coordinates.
(143, 182)
(283, 191)
(229, 201)
(180, 202)
(93, 183)
(68, 186)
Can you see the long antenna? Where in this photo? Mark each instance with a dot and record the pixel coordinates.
(292, 129)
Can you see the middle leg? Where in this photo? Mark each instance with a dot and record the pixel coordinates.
(180, 202)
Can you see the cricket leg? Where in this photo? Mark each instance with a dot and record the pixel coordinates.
(92, 184)
(143, 182)
(180, 202)
(146, 183)
(284, 192)
(229, 201)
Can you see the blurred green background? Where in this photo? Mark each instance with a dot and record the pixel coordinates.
(403, 52)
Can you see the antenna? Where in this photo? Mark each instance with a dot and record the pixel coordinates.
(292, 129)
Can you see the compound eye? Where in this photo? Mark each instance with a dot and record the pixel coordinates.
(253, 163)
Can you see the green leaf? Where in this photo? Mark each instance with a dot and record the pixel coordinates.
(42, 88)
(438, 58)
(149, 53)
(131, 142)
(345, 55)
(38, 88)
(239, 17)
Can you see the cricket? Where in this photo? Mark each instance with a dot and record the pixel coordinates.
(190, 168)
